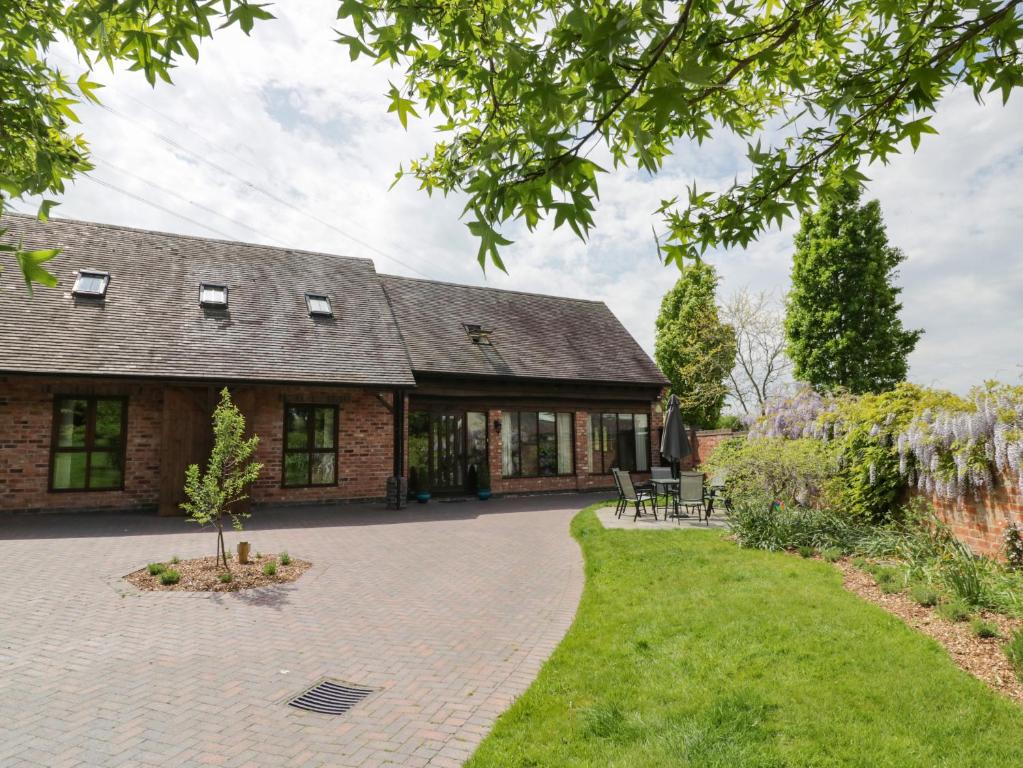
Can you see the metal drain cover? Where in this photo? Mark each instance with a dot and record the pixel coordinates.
(330, 698)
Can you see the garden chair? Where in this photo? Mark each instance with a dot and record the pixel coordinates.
(717, 492)
(632, 495)
(691, 494)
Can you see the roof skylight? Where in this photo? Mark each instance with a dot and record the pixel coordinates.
(319, 306)
(212, 295)
(477, 333)
(91, 283)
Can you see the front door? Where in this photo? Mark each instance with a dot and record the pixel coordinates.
(447, 450)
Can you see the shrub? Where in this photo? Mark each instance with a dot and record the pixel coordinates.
(170, 576)
(225, 577)
(962, 573)
(1013, 547)
(983, 628)
(175, 559)
(795, 472)
(924, 594)
(805, 551)
(155, 569)
(1014, 652)
(285, 558)
(888, 579)
(954, 610)
(760, 524)
(270, 569)
(832, 554)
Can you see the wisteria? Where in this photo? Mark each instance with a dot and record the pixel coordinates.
(951, 452)
(946, 451)
(800, 413)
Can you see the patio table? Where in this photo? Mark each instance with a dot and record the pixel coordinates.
(667, 484)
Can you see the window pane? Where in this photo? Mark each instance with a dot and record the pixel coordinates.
(105, 470)
(547, 448)
(642, 422)
(69, 470)
(296, 469)
(610, 441)
(323, 429)
(319, 305)
(107, 433)
(296, 427)
(476, 450)
(90, 283)
(418, 450)
(527, 436)
(566, 439)
(212, 294)
(626, 442)
(596, 445)
(510, 444)
(323, 468)
(71, 423)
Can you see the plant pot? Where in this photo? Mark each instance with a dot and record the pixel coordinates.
(423, 496)
(483, 494)
(243, 552)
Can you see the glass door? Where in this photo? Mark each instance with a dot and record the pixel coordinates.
(447, 451)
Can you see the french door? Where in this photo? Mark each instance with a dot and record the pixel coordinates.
(447, 450)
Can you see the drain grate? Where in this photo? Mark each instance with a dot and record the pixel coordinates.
(329, 698)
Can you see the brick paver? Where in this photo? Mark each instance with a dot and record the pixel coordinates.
(448, 610)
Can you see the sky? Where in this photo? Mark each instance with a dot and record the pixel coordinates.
(278, 138)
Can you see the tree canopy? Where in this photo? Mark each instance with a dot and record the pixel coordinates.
(842, 322)
(526, 90)
(694, 349)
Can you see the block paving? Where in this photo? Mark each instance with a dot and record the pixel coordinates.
(448, 610)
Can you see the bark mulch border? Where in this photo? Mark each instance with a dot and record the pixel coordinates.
(202, 574)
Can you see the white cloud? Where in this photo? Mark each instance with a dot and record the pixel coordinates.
(286, 111)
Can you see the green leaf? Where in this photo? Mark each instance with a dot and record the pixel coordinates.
(404, 107)
(29, 262)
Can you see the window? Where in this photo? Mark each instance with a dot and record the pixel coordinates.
(88, 444)
(536, 444)
(477, 333)
(91, 283)
(319, 305)
(310, 445)
(619, 440)
(211, 295)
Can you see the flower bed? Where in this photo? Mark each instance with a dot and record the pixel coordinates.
(205, 574)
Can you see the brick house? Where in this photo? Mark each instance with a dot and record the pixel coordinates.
(350, 378)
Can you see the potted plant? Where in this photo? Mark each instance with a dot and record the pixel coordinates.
(483, 481)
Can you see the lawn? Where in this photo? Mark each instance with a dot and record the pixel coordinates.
(689, 651)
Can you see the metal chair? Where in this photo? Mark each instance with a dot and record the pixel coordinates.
(691, 494)
(632, 495)
(717, 491)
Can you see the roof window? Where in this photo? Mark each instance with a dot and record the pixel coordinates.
(212, 295)
(319, 306)
(91, 283)
(477, 333)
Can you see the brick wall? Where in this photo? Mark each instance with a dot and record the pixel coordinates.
(365, 440)
(365, 444)
(704, 442)
(26, 424)
(981, 522)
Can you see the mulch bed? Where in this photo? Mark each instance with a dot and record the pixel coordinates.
(981, 657)
(202, 574)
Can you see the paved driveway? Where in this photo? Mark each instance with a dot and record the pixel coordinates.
(448, 610)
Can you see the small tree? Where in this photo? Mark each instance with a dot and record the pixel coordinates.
(843, 324)
(694, 349)
(213, 495)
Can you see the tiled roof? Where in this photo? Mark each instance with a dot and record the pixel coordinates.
(533, 336)
(151, 324)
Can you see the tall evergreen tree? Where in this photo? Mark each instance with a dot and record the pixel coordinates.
(842, 321)
(694, 349)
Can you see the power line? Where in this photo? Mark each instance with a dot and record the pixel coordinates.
(251, 185)
(184, 199)
(141, 199)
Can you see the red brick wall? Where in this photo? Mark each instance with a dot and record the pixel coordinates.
(706, 440)
(365, 444)
(980, 523)
(26, 423)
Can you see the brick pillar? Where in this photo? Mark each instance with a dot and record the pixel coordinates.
(494, 450)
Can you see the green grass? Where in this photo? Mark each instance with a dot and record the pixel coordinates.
(689, 651)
